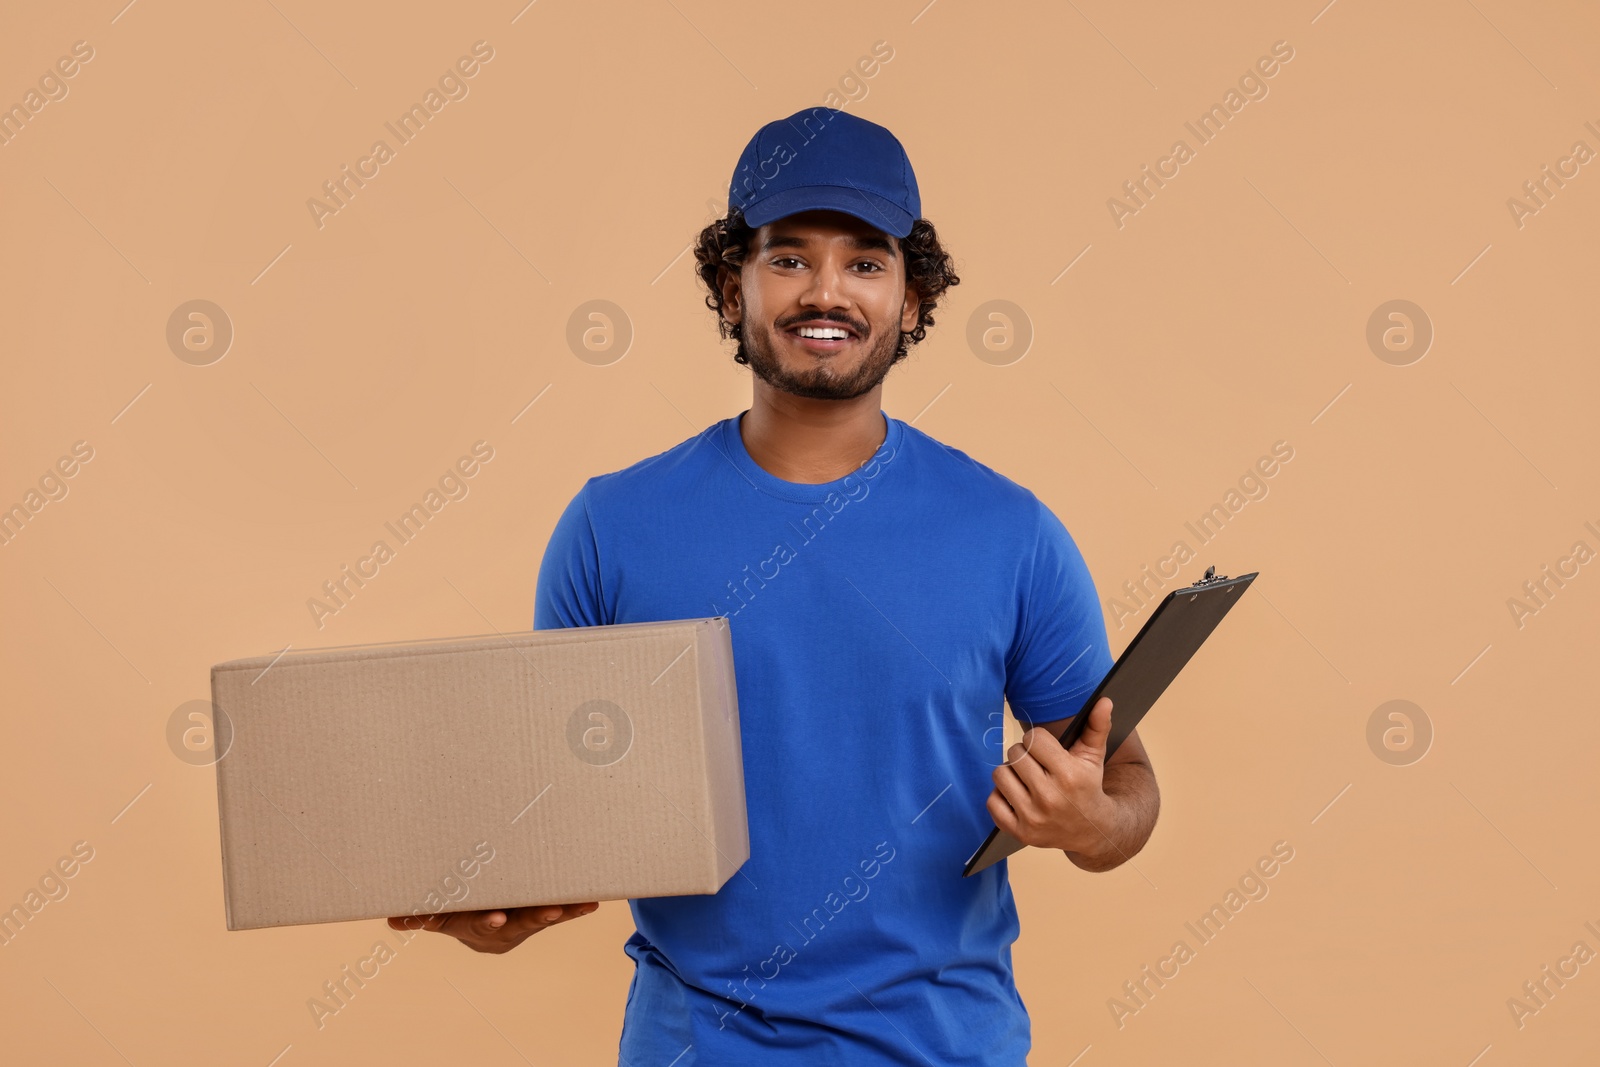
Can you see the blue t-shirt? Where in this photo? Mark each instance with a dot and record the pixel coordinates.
(879, 622)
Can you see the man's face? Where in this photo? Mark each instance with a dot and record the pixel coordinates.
(821, 270)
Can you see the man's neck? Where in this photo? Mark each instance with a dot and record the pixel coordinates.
(812, 441)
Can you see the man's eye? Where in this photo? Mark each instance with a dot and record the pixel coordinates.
(785, 261)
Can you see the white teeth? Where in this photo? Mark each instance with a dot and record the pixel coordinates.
(824, 332)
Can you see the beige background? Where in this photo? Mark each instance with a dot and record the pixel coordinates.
(1228, 314)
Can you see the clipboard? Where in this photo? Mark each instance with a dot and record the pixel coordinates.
(1167, 641)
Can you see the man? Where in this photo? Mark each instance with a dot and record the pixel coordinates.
(887, 594)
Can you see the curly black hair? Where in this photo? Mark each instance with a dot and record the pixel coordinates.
(724, 243)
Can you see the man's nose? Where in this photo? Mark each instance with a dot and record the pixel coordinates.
(827, 286)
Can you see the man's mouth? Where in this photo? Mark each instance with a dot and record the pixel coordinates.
(821, 337)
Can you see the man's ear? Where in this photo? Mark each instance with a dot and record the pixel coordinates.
(911, 310)
(728, 282)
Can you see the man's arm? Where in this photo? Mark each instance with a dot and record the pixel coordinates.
(1099, 812)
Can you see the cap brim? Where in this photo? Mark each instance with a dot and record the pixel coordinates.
(870, 208)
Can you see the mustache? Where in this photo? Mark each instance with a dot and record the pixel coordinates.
(860, 329)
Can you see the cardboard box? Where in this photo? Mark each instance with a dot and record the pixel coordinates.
(543, 767)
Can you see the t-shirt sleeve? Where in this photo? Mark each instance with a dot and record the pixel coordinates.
(1061, 652)
(568, 591)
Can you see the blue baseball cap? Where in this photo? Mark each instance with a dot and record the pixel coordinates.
(824, 158)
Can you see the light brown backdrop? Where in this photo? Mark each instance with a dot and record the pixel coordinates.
(1228, 313)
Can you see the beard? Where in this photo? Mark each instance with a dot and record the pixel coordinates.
(821, 381)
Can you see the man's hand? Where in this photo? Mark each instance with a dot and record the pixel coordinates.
(496, 931)
(1068, 798)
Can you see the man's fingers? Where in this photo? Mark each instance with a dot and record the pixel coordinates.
(532, 920)
(469, 925)
(495, 925)
(1028, 767)
(525, 921)
(1012, 790)
(572, 911)
(1091, 744)
(1002, 813)
(489, 923)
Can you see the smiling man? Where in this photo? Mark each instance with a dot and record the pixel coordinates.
(888, 595)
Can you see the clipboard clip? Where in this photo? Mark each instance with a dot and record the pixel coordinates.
(1211, 578)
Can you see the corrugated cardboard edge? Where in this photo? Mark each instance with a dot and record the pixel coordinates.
(517, 639)
(730, 832)
(222, 837)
